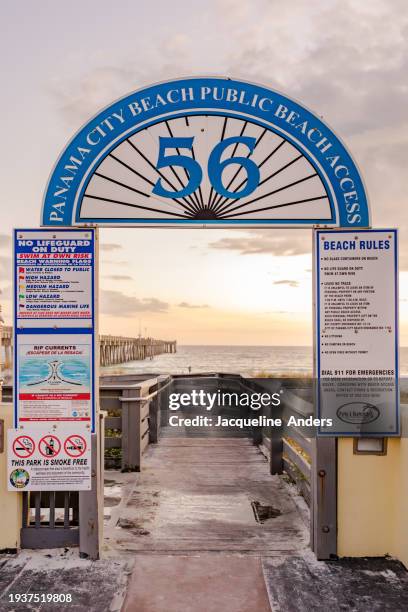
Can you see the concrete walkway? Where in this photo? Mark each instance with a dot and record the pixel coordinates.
(197, 583)
(191, 524)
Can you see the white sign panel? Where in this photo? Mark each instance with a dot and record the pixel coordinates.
(356, 280)
(54, 278)
(54, 374)
(49, 460)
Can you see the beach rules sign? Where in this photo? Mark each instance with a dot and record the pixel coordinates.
(202, 151)
(356, 324)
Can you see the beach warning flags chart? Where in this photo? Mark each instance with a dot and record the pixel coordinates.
(49, 460)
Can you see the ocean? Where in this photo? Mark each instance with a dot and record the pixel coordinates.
(244, 360)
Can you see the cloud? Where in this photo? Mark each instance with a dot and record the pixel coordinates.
(266, 241)
(188, 305)
(119, 304)
(5, 241)
(6, 293)
(290, 283)
(81, 98)
(119, 277)
(348, 61)
(108, 247)
(5, 267)
(115, 263)
(345, 59)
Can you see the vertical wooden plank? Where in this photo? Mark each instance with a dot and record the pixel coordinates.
(164, 404)
(125, 434)
(154, 417)
(26, 509)
(312, 492)
(324, 498)
(276, 435)
(257, 431)
(66, 510)
(131, 437)
(37, 509)
(52, 509)
(75, 507)
(276, 463)
(89, 511)
(136, 430)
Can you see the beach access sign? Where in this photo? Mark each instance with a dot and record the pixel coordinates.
(49, 460)
(206, 151)
(356, 309)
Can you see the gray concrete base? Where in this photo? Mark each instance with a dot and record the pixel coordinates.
(95, 586)
(301, 583)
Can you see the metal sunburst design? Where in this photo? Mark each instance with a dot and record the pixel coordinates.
(289, 186)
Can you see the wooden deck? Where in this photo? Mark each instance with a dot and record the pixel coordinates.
(195, 495)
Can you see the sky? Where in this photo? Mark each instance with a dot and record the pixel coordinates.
(347, 60)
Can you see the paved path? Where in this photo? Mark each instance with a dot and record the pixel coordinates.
(197, 583)
(191, 524)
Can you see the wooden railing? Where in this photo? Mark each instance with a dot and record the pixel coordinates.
(132, 417)
(289, 449)
(297, 444)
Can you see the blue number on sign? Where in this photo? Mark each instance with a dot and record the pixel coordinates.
(216, 167)
(188, 163)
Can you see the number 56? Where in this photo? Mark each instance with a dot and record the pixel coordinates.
(215, 166)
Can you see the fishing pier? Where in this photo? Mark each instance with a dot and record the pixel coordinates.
(117, 349)
(113, 350)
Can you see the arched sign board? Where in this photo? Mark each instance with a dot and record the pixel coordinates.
(206, 151)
